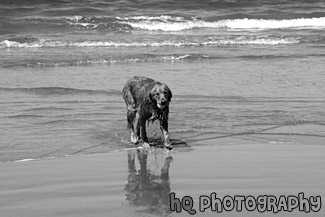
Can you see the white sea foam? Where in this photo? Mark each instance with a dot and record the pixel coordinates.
(276, 24)
(82, 22)
(168, 24)
(261, 41)
(213, 42)
(25, 160)
(33, 159)
(163, 18)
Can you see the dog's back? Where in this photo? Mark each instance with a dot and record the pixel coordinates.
(136, 90)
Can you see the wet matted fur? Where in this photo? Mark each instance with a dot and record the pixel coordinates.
(146, 100)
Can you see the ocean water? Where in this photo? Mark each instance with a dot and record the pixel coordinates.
(240, 71)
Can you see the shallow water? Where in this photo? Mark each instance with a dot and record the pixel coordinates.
(52, 112)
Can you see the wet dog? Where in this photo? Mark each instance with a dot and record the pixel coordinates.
(146, 100)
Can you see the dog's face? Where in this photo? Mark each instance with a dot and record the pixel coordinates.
(161, 95)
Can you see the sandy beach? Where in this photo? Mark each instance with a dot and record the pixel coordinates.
(137, 182)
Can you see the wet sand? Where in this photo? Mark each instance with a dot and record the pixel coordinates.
(138, 183)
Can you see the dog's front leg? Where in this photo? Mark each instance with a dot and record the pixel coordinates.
(164, 130)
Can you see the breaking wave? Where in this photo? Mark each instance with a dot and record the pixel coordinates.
(214, 41)
(168, 23)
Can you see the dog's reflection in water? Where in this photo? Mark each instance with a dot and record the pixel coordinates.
(148, 184)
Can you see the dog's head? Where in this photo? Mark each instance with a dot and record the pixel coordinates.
(161, 95)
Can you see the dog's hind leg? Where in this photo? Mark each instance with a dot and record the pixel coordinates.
(131, 114)
(130, 106)
(135, 132)
(134, 137)
(144, 138)
(131, 117)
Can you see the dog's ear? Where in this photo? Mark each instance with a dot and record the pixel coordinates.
(169, 93)
(151, 94)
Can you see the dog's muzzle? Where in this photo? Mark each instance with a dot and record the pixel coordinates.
(162, 104)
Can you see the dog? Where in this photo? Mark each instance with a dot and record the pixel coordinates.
(146, 100)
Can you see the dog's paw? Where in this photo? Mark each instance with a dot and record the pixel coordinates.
(146, 145)
(168, 146)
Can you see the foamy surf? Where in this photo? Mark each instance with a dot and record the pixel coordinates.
(172, 43)
(167, 23)
(170, 23)
(33, 159)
